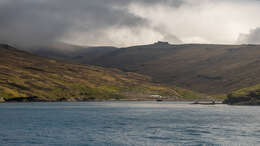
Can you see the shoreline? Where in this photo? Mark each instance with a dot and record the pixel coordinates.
(195, 101)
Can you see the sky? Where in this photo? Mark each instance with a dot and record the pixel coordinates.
(123, 23)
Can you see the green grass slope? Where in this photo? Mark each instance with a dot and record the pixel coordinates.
(26, 77)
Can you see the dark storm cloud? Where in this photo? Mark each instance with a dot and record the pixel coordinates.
(37, 22)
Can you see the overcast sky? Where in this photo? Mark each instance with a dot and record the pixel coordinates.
(129, 22)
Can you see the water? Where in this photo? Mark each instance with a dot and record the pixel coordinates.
(128, 123)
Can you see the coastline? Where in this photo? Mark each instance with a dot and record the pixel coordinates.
(35, 99)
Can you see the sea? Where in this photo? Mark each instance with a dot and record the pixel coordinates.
(128, 124)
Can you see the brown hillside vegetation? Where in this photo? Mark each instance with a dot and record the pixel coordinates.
(214, 69)
(25, 77)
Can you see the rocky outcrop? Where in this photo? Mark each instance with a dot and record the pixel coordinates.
(242, 101)
(253, 98)
(76, 99)
(2, 99)
(37, 99)
(25, 99)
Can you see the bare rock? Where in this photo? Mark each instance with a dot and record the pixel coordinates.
(2, 99)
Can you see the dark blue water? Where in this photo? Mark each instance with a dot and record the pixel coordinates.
(128, 123)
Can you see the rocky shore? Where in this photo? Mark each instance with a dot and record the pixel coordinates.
(91, 99)
(37, 99)
(2, 99)
(252, 98)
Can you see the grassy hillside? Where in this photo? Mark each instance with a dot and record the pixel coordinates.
(213, 69)
(25, 77)
(245, 96)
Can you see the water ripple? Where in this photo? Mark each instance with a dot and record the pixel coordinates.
(128, 123)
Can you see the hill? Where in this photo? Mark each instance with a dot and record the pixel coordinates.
(245, 96)
(26, 77)
(207, 68)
